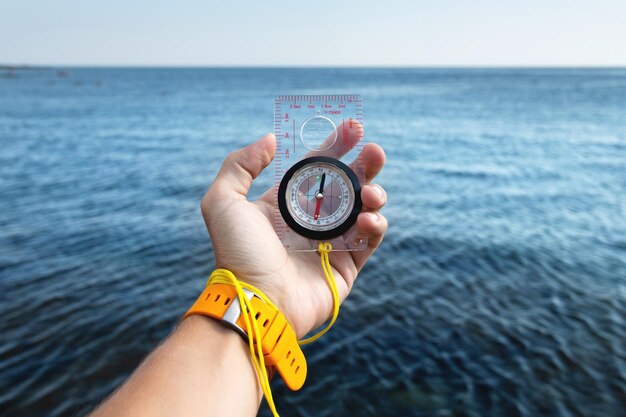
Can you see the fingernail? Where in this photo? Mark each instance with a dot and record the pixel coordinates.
(374, 216)
(379, 190)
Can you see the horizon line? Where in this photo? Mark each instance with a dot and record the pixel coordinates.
(9, 66)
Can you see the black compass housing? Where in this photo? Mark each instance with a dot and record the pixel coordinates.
(320, 234)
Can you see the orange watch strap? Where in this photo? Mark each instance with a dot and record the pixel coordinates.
(279, 342)
(214, 301)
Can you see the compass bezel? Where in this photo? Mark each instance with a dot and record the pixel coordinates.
(320, 234)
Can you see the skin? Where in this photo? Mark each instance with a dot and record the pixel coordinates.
(203, 368)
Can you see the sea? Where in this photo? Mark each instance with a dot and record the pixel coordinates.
(499, 289)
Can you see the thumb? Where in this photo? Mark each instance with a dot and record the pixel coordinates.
(244, 165)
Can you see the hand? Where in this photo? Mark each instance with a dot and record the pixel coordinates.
(244, 240)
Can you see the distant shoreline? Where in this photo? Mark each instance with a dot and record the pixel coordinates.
(6, 67)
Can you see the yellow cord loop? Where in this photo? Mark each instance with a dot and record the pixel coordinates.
(324, 249)
(223, 276)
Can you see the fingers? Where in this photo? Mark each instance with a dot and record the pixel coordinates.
(371, 222)
(372, 160)
(244, 165)
(346, 136)
(374, 225)
(373, 197)
(369, 162)
(339, 143)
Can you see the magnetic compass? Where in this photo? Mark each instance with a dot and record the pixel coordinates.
(319, 197)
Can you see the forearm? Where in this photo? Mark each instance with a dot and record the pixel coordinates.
(202, 369)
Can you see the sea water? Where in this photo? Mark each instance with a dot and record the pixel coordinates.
(499, 290)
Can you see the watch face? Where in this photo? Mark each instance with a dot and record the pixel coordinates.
(320, 198)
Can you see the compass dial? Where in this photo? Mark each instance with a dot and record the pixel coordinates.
(319, 197)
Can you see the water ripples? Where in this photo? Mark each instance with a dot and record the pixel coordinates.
(499, 290)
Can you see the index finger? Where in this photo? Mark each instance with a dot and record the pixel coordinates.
(347, 135)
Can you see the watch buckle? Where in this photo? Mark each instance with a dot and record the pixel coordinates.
(233, 313)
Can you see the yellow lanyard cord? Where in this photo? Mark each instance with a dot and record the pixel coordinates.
(324, 249)
(224, 276)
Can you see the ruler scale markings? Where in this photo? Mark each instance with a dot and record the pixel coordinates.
(339, 108)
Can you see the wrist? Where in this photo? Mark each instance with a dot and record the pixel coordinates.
(280, 296)
(205, 344)
(204, 334)
(271, 339)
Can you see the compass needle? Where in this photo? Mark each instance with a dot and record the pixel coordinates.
(319, 196)
(321, 191)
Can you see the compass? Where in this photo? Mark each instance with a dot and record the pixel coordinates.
(319, 197)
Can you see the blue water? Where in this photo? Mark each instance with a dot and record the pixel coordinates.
(500, 289)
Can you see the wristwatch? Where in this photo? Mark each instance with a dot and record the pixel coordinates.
(280, 344)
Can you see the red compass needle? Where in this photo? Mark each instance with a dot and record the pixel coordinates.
(319, 196)
(317, 208)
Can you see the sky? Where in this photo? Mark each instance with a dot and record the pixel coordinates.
(313, 33)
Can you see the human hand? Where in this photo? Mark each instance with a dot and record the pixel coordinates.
(244, 240)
